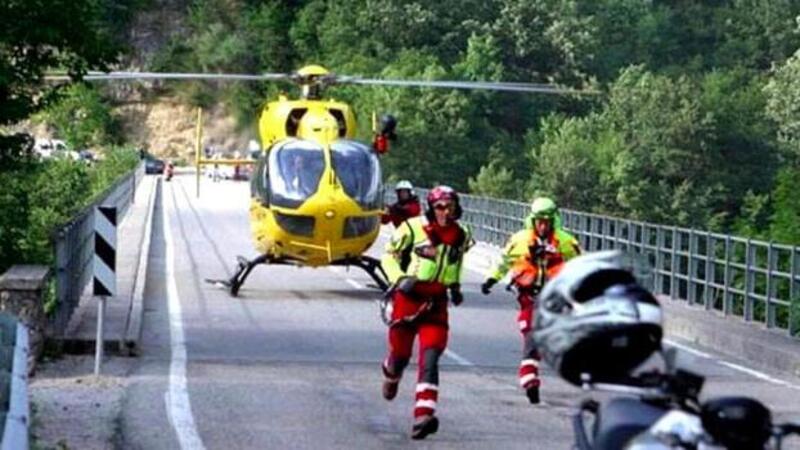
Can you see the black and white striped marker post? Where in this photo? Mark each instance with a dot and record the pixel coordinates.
(105, 269)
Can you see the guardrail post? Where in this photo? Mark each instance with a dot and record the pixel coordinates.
(749, 278)
(726, 295)
(691, 269)
(660, 238)
(673, 279)
(794, 292)
(710, 291)
(769, 313)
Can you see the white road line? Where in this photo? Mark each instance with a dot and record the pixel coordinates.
(177, 397)
(759, 375)
(687, 349)
(354, 283)
(460, 360)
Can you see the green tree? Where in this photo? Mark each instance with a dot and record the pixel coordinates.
(38, 35)
(82, 117)
(660, 172)
(59, 190)
(569, 163)
(786, 217)
(743, 138)
(783, 103)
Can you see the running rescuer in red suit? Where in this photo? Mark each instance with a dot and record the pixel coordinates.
(533, 256)
(419, 298)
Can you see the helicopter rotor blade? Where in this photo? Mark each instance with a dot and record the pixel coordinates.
(473, 85)
(112, 76)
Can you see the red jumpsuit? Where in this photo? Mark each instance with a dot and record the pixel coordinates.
(423, 312)
(529, 273)
(399, 212)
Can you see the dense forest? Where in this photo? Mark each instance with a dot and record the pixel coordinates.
(696, 123)
(697, 120)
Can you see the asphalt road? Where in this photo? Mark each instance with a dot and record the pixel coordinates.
(293, 362)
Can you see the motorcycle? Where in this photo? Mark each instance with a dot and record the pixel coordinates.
(599, 326)
(662, 411)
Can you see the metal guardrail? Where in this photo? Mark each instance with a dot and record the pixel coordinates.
(74, 248)
(755, 280)
(14, 408)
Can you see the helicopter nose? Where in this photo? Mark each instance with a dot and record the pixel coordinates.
(330, 214)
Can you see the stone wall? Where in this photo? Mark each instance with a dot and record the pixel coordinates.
(22, 290)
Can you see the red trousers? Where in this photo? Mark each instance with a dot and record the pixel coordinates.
(529, 365)
(431, 328)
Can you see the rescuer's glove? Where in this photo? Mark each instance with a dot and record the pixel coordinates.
(455, 294)
(406, 284)
(486, 287)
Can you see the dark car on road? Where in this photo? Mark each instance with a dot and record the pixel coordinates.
(153, 165)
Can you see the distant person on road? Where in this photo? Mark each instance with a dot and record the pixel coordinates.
(406, 206)
(533, 255)
(419, 297)
(169, 170)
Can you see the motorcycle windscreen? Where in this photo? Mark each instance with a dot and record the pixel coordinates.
(295, 169)
(359, 172)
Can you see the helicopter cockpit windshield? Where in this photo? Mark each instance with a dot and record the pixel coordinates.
(295, 169)
(359, 172)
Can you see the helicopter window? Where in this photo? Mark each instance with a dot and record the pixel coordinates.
(295, 168)
(339, 116)
(293, 121)
(359, 172)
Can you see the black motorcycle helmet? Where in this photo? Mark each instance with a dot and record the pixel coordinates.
(738, 423)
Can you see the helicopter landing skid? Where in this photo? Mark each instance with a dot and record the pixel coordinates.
(367, 263)
(370, 265)
(243, 269)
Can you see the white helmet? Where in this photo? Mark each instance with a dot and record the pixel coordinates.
(594, 319)
(404, 184)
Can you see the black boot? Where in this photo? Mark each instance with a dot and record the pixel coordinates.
(390, 389)
(533, 394)
(424, 426)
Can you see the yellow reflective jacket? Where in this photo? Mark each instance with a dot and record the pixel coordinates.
(561, 247)
(429, 262)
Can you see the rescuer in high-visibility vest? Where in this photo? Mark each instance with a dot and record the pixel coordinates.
(533, 255)
(419, 298)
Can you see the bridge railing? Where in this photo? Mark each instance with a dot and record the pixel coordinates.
(757, 281)
(14, 410)
(74, 248)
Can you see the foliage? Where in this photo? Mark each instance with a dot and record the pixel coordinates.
(691, 127)
(38, 197)
(37, 35)
(783, 105)
(82, 117)
(60, 188)
(786, 217)
(14, 221)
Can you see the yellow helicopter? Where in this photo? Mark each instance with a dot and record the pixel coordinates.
(316, 192)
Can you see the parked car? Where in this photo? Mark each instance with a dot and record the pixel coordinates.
(48, 148)
(153, 165)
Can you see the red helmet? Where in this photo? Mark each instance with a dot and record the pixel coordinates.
(440, 193)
